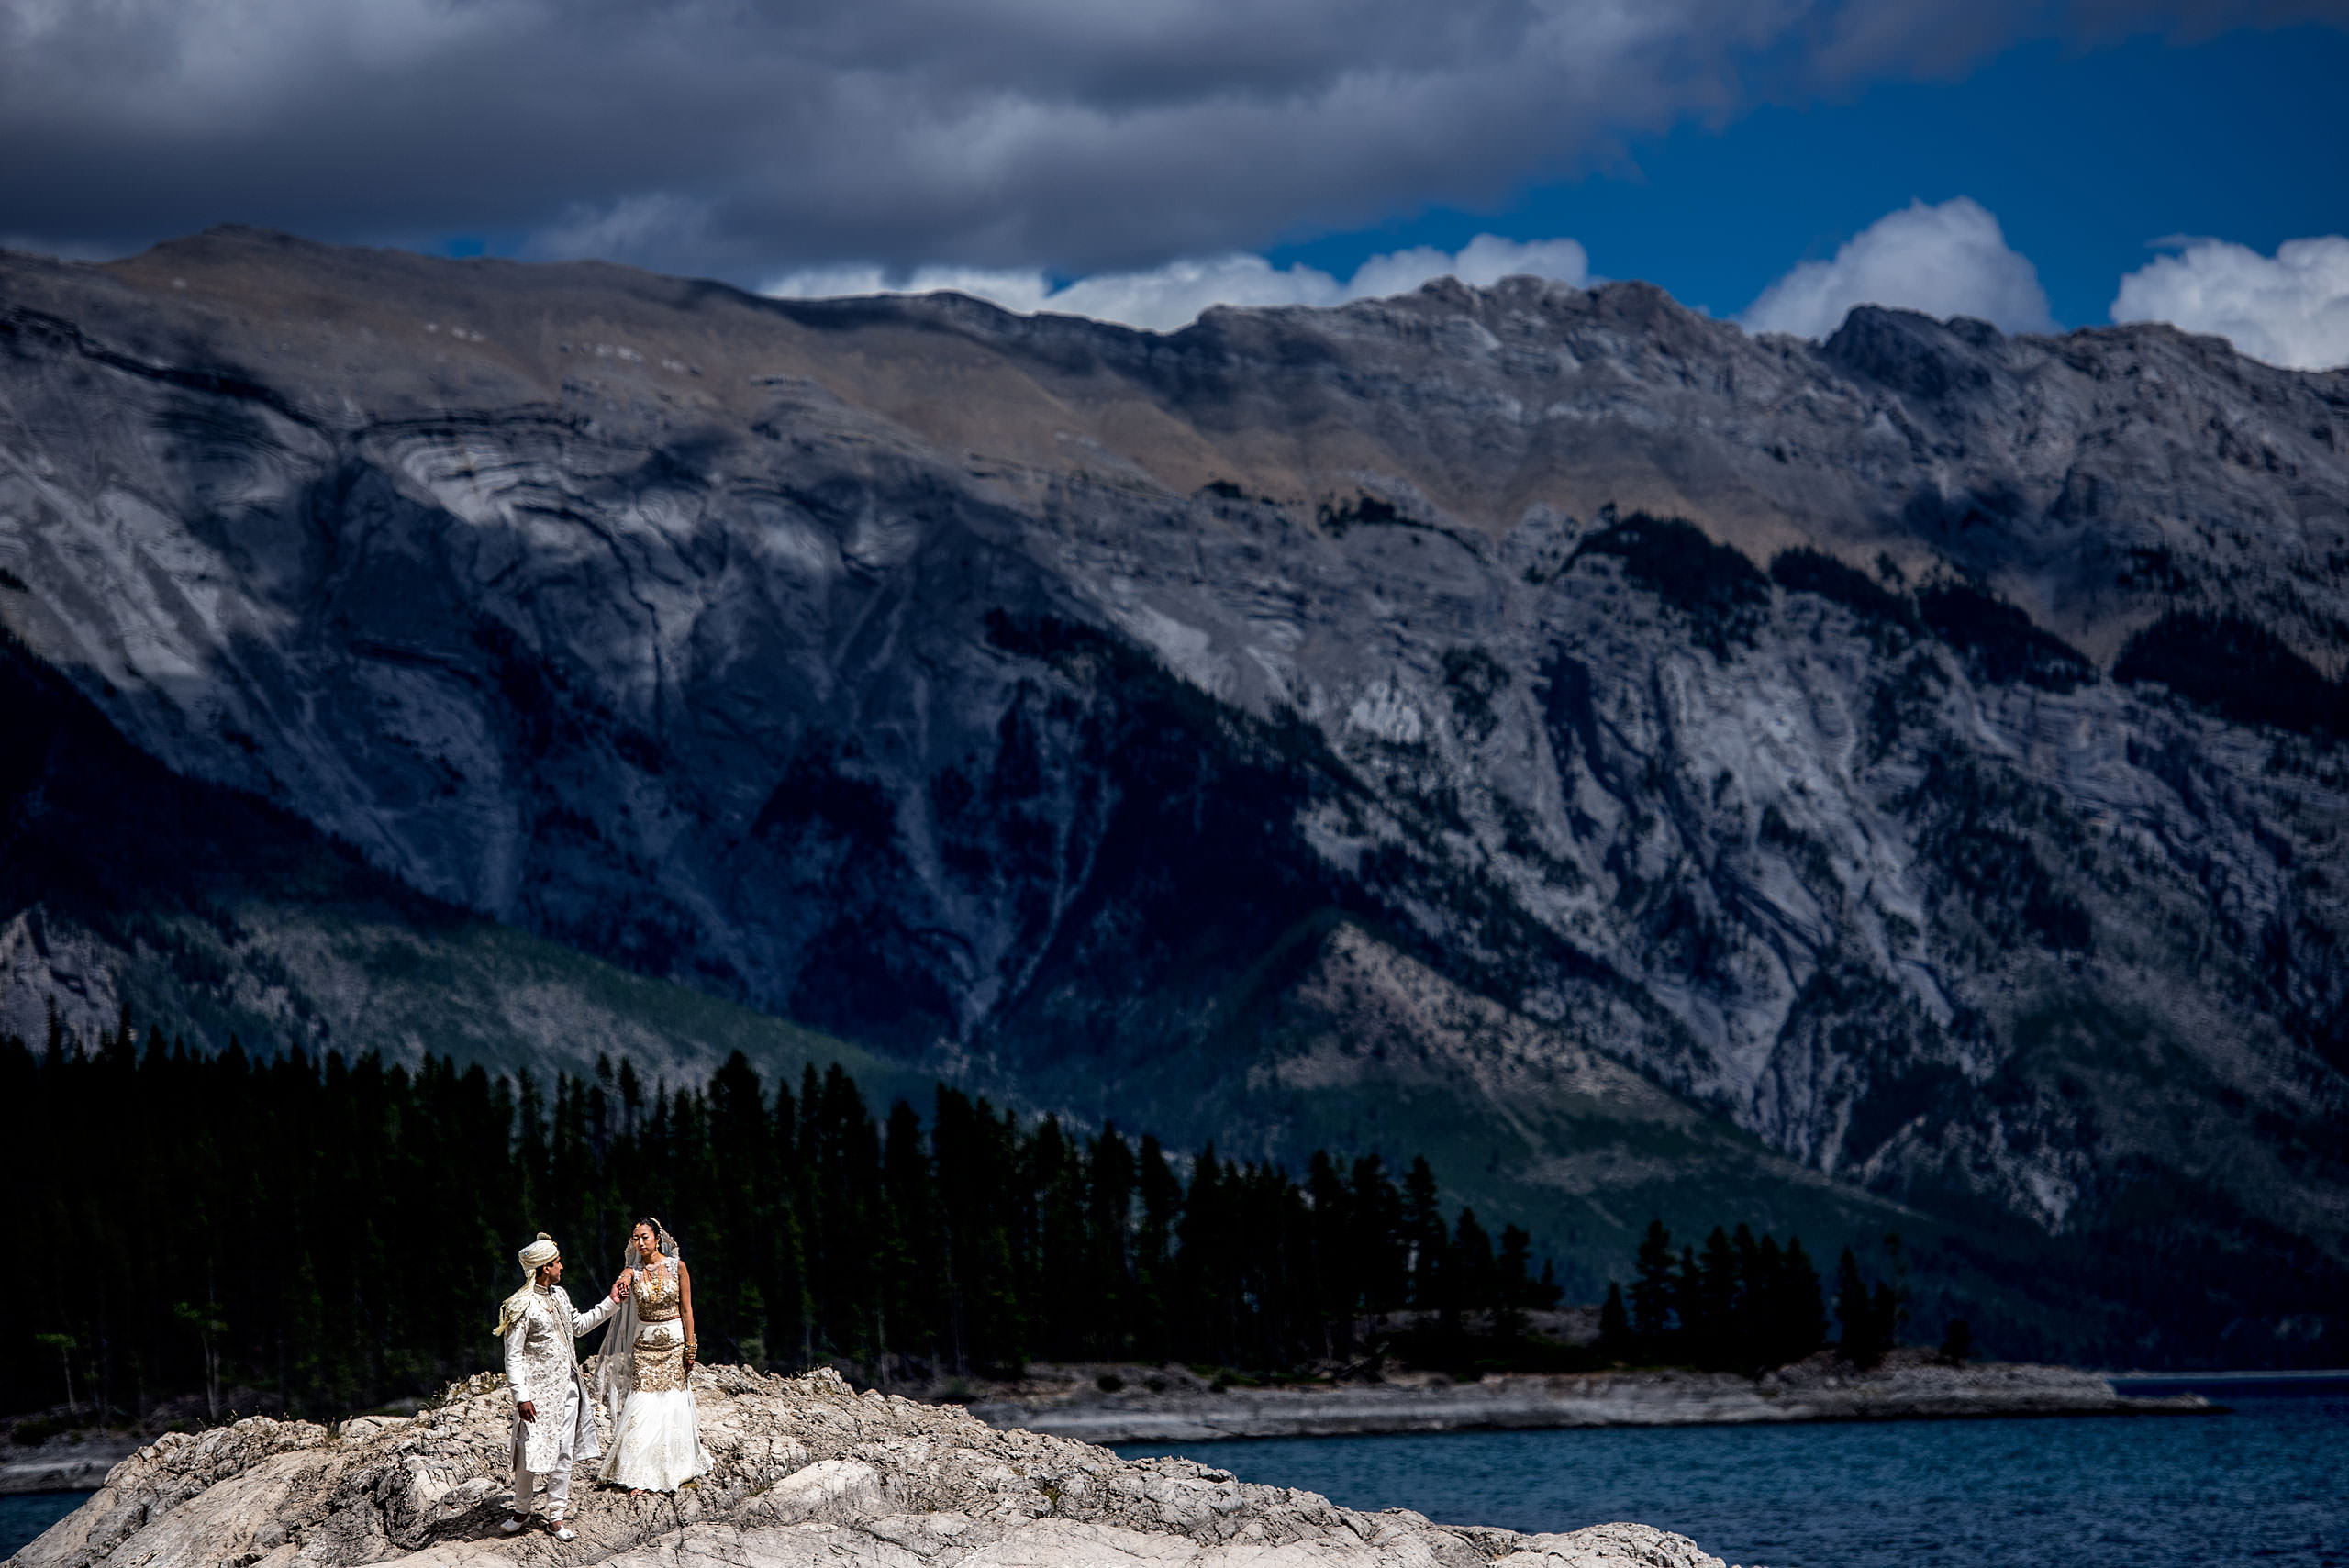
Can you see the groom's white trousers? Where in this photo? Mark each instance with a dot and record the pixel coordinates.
(526, 1481)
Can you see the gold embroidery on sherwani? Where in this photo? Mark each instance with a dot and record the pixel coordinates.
(661, 1342)
(542, 1366)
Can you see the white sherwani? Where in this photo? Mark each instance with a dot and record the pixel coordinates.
(542, 1367)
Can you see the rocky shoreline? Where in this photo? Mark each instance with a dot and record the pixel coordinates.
(1173, 1403)
(808, 1472)
(1078, 1402)
(65, 1467)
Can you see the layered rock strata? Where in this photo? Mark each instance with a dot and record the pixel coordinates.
(808, 1472)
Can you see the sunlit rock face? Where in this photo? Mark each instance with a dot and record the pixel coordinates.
(1051, 701)
(805, 1473)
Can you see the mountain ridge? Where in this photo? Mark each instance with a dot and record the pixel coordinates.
(1001, 692)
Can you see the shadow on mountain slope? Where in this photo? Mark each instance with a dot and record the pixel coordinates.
(211, 912)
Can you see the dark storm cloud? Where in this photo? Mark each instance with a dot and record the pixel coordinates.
(741, 138)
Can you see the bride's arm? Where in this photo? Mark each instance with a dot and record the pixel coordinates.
(685, 1307)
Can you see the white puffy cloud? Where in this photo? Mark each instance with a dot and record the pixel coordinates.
(2290, 309)
(1950, 260)
(1163, 298)
(1166, 297)
(1488, 259)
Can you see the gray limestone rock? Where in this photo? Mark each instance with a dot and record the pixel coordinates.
(47, 970)
(808, 1472)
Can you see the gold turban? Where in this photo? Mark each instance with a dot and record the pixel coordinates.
(538, 1253)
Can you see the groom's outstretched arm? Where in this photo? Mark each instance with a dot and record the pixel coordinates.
(581, 1322)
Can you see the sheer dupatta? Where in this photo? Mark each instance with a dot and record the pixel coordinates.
(615, 1368)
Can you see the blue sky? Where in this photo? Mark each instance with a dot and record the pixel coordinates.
(1144, 160)
(2083, 156)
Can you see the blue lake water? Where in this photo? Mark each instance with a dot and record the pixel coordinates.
(24, 1518)
(2267, 1484)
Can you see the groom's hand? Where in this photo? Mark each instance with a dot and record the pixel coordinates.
(530, 1412)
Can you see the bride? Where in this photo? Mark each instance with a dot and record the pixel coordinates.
(641, 1378)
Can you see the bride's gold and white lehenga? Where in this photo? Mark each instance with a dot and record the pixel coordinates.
(640, 1380)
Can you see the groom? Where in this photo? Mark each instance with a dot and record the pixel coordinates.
(554, 1422)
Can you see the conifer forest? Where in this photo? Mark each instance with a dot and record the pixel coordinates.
(325, 1236)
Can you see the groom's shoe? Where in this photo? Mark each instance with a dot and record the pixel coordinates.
(515, 1524)
(565, 1532)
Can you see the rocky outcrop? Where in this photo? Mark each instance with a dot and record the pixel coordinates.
(1139, 722)
(1910, 1386)
(808, 1472)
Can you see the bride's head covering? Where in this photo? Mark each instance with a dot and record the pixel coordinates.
(667, 1243)
(532, 1258)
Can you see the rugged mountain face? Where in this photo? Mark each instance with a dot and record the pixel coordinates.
(203, 911)
(1134, 719)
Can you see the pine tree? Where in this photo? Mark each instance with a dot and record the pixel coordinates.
(1801, 1319)
(1885, 1316)
(1764, 1290)
(1429, 1239)
(1207, 1319)
(1747, 1345)
(1614, 1326)
(1713, 1318)
(1653, 1291)
(1056, 1175)
(1380, 1240)
(913, 1269)
(1108, 1221)
(1475, 1282)
(1339, 1266)
(977, 1162)
(965, 1245)
(1514, 1288)
(790, 1306)
(1547, 1291)
(1695, 1332)
(1861, 1345)
(1891, 1301)
(1160, 1197)
(633, 1097)
(737, 1264)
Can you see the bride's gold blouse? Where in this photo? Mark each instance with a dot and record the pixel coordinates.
(656, 1295)
(660, 1345)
